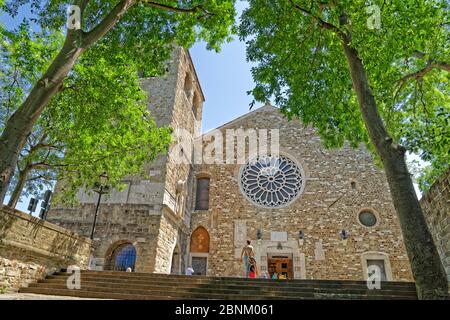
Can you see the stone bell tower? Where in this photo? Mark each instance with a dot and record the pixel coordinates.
(147, 225)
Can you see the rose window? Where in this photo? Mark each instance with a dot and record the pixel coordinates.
(271, 181)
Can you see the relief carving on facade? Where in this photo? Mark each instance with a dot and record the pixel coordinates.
(240, 236)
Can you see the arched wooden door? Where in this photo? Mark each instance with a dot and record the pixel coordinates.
(199, 251)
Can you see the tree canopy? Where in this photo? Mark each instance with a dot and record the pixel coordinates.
(134, 34)
(359, 71)
(302, 66)
(97, 124)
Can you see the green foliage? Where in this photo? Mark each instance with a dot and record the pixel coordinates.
(426, 176)
(4, 289)
(302, 66)
(143, 23)
(98, 123)
(24, 56)
(111, 130)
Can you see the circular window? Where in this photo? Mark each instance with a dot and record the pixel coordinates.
(271, 181)
(367, 218)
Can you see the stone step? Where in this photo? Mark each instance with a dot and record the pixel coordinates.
(93, 295)
(107, 286)
(144, 295)
(268, 285)
(134, 275)
(139, 286)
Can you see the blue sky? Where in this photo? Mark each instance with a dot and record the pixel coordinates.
(225, 78)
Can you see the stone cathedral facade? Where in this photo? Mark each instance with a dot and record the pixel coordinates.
(311, 213)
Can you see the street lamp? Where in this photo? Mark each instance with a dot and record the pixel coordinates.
(101, 188)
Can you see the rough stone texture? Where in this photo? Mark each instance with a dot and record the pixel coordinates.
(31, 248)
(327, 206)
(150, 213)
(436, 206)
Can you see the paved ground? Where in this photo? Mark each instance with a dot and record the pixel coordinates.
(31, 296)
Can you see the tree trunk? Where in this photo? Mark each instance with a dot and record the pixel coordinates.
(23, 175)
(427, 269)
(21, 122)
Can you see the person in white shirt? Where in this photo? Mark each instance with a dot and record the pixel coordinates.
(189, 271)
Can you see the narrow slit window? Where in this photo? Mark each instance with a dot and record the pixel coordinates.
(202, 195)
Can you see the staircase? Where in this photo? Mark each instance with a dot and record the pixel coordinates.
(144, 286)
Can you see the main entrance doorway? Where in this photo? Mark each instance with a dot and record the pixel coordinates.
(281, 264)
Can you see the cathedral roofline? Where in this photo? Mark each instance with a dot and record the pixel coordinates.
(188, 54)
(267, 106)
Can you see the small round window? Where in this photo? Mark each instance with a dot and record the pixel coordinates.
(367, 218)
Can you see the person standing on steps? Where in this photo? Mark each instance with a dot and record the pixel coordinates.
(189, 271)
(246, 254)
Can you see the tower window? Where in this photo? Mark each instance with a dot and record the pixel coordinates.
(188, 87)
(202, 194)
(196, 105)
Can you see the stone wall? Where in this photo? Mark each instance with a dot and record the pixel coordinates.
(436, 206)
(338, 184)
(31, 248)
(116, 225)
(153, 212)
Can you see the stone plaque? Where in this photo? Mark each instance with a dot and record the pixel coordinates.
(319, 253)
(278, 236)
(169, 201)
(240, 236)
(240, 233)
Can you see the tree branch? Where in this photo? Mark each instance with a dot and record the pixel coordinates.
(437, 64)
(197, 8)
(107, 23)
(121, 8)
(322, 23)
(432, 64)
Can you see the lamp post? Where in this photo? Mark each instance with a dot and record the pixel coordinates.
(344, 236)
(101, 188)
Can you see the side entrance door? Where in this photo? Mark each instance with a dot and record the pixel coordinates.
(199, 264)
(282, 265)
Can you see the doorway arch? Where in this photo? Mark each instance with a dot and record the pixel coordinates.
(121, 256)
(199, 251)
(175, 267)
